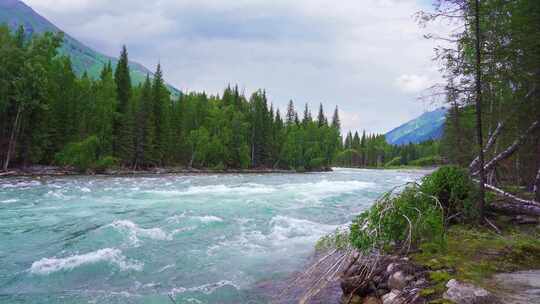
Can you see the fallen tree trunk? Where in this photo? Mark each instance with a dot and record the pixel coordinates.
(516, 206)
(511, 208)
(491, 141)
(511, 196)
(511, 149)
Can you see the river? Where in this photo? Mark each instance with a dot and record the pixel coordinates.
(192, 238)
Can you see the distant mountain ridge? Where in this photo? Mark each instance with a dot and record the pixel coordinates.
(15, 13)
(429, 125)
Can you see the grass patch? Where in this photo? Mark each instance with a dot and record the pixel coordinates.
(474, 254)
(339, 239)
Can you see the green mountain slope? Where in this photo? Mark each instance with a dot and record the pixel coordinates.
(15, 13)
(429, 125)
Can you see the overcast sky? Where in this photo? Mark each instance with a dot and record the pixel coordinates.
(367, 56)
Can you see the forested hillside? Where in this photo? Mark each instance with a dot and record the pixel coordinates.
(428, 126)
(374, 151)
(84, 59)
(48, 115)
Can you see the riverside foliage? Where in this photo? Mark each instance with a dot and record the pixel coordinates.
(49, 115)
(418, 214)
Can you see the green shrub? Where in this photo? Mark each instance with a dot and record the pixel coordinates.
(404, 221)
(418, 215)
(340, 239)
(394, 162)
(105, 163)
(219, 167)
(84, 156)
(454, 189)
(426, 161)
(317, 163)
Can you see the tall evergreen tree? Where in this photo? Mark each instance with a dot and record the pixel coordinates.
(291, 114)
(123, 140)
(336, 122)
(321, 119)
(307, 116)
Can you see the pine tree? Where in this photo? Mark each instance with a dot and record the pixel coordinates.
(161, 102)
(336, 122)
(356, 141)
(145, 139)
(321, 119)
(291, 114)
(307, 116)
(105, 105)
(349, 141)
(123, 139)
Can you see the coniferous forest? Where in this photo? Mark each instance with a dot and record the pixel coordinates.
(49, 115)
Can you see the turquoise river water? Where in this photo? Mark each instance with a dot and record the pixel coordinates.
(192, 239)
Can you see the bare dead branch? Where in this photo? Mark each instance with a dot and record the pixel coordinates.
(511, 196)
(490, 143)
(511, 149)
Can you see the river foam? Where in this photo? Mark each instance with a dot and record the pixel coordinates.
(134, 232)
(112, 256)
(217, 190)
(205, 288)
(205, 239)
(287, 228)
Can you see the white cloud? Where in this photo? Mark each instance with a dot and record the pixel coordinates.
(413, 83)
(368, 56)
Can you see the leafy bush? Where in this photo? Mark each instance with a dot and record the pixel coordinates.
(340, 239)
(403, 220)
(81, 155)
(426, 161)
(418, 214)
(105, 163)
(317, 163)
(84, 155)
(219, 167)
(454, 189)
(394, 162)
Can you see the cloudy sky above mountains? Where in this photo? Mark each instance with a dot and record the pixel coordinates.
(367, 56)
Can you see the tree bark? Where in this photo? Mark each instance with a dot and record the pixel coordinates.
(510, 150)
(515, 209)
(13, 137)
(512, 197)
(536, 188)
(491, 141)
(481, 201)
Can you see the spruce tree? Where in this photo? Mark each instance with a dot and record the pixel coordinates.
(307, 116)
(160, 99)
(291, 114)
(123, 140)
(321, 119)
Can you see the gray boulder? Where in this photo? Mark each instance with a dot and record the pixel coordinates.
(393, 297)
(398, 280)
(464, 293)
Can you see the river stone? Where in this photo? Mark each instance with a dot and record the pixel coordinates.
(393, 297)
(464, 293)
(398, 280)
(392, 267)
(518, 287)
(372, 300)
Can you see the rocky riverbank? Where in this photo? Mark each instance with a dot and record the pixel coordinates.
(65, 171)
(479, 266)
